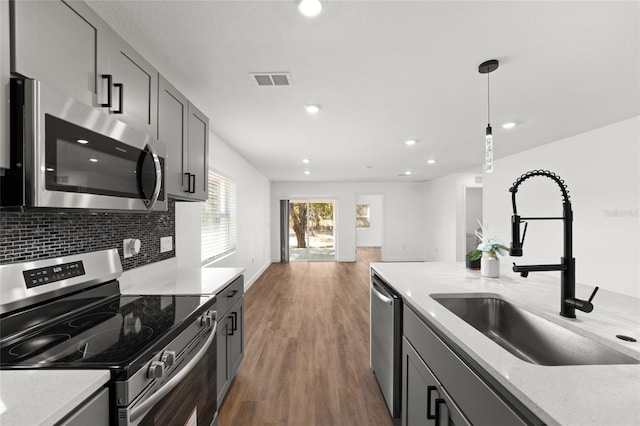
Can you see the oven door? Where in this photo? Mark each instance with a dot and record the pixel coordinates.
(188, 397)
(79, 157)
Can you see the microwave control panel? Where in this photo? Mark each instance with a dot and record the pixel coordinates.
(51, 274)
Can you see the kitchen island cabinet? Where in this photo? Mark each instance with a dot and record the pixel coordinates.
(479, 376)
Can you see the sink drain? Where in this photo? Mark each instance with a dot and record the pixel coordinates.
(626, 338)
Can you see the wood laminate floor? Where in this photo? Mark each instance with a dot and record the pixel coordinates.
(306, 356)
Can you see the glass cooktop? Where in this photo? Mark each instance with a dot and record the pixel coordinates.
(113, 332)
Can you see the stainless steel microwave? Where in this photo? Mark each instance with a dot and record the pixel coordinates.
(68, 155)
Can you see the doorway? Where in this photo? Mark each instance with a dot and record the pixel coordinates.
(311, 230)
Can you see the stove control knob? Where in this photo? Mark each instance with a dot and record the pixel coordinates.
(168, 358)
(156, 370)
(206, 320)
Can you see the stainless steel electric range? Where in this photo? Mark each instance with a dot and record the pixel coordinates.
(68, 313)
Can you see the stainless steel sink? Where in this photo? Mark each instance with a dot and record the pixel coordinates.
(528, 336)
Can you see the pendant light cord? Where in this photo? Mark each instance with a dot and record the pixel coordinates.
(488, 102)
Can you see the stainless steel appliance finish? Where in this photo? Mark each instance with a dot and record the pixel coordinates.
(528, 336)
(68, 155)
(386, 342)
(68, 313)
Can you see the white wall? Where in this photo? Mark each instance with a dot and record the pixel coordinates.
(253, 226)
(371, 236)
(445, 218)
(600, 168)
(403, 215)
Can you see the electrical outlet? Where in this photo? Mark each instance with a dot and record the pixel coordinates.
(166, 244)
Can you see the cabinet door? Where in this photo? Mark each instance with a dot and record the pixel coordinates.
(198, 151)
(173, 110)
(62, 44)
(4, 84)
(424, 401)
(235, 337)
(224, 324)
(135, 86)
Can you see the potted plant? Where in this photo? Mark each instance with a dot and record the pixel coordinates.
(473, 259)
(490, 249)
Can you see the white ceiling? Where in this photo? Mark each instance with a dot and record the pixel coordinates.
(387, 71)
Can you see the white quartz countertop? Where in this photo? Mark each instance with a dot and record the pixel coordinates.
(44, 397)
(166, 278)
(559, 395)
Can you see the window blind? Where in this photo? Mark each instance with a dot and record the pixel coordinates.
(219, 218)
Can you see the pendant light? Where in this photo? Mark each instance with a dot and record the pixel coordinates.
(488, 67)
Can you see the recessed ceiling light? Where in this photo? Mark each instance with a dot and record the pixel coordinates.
(407, 173)
(310, 8)
(410, 142)
(312, 108)
(83, 141)
(307, 172)
(431, 161)
(306, 160)
(509, 125)
(93, 160)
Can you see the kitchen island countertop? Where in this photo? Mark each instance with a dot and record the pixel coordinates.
(44, 397)
(559, 395)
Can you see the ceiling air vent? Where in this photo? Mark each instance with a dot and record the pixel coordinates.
(478, 179)
(271, 78)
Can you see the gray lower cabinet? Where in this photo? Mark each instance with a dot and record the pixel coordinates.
(230, 303)
(94, 411)
(435, 377)
(425, 402)
(184, 130)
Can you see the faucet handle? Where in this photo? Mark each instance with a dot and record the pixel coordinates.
(595, 290)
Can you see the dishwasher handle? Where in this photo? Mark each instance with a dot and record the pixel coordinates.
(379, 295)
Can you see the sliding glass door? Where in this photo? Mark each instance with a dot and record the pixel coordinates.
(311, 230)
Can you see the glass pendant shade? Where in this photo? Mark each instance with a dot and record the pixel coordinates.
(488, 151)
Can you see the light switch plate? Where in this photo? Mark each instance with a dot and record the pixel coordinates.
(166, 244)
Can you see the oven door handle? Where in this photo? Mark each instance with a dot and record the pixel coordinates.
(168, 387)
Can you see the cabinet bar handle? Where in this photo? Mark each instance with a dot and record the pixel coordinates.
(437, 416)
(232, 293)
(109, 79)
(429, 415)
(193, 187)
(120, 97)
(188, 175)
(234, 322)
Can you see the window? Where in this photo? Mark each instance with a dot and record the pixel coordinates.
(219, 218)
(362, 215)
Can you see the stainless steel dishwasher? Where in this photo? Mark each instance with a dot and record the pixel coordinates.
(386, 341)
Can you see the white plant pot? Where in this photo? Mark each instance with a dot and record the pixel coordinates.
(489, 267)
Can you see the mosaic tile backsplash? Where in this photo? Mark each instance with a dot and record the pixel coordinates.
(38, 235)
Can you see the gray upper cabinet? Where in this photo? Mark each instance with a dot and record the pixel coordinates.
(66, 45)
(62, 44)
(185, 131)
(4, 84)
(173, 115)
(198, 152)
(134, 87)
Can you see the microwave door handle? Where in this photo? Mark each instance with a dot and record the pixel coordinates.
(156, 188)
(173, 382)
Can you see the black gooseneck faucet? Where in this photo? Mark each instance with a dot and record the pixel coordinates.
(568, 301)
